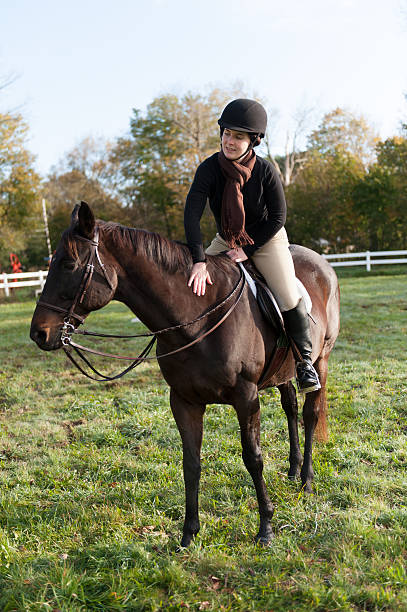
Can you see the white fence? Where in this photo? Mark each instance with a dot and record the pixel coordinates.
(367, 259)
(22, 279)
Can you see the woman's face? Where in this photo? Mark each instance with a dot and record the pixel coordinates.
(234, 144)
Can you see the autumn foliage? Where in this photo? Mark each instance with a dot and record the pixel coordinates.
(345, 189)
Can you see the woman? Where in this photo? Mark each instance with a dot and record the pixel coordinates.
(247, 200)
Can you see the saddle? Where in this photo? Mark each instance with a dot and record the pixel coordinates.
(272, 314)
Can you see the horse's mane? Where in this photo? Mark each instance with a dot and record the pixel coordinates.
(171, 256)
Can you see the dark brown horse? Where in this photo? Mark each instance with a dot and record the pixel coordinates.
(149, 274)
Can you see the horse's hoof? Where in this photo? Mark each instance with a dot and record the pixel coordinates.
(181, 549)
(293, 475)
(307, 488)
(186, 540)
(264, 540)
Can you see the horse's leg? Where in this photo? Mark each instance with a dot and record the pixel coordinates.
(290, 407)
(248, 413)
(314, 409)
(189, 420)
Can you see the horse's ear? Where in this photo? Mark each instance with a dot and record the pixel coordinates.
(83, 220)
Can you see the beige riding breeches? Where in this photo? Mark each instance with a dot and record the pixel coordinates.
(275, 263)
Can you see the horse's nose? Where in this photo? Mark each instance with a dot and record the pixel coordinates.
(39, 335)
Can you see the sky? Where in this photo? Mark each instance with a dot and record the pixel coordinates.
(82, 66)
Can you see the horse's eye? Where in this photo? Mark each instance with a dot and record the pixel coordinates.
(68, 265)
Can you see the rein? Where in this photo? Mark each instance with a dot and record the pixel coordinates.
(68, 329)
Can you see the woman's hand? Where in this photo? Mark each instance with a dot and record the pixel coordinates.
(237, 255)
(199, 277)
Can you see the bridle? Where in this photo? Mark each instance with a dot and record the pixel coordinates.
(88, 270)
(68, 328)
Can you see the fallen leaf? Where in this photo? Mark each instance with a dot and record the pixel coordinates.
(215, 582)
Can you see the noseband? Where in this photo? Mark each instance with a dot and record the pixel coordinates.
(68, 328)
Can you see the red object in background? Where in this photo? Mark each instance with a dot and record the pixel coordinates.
(15, 264)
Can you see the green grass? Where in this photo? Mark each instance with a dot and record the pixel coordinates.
(91, 490)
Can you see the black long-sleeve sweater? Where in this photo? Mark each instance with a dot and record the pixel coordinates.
(263, 200)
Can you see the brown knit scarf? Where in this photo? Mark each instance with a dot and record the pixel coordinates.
(233, 215)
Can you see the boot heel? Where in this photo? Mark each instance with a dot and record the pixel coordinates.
(305, 390)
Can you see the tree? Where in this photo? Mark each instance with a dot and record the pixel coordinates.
(90, 157)
(294, 158)
(342, 130)
(321, 207)
(322, 211)
(381, 197)
(155, 164)
(82, 175)
(19, 184)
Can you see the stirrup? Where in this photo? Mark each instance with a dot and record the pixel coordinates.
(307, 377)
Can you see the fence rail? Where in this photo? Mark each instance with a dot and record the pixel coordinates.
(367, 259)
(22, 279)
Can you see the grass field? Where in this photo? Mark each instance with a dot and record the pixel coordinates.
(92, 498)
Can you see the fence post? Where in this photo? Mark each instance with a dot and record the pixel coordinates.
(6, 287)
(41, 275)
(368, 261)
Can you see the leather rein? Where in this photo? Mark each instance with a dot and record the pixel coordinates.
(68, 328)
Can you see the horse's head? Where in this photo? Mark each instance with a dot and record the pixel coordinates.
(78, 281)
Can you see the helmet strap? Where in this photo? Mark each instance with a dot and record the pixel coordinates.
(249, 148)
(253, 142)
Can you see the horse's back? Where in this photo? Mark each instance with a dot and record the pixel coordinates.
(308, 262)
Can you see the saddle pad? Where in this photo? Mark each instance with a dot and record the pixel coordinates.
(302, 290)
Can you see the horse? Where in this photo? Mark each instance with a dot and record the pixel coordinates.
(201, 362)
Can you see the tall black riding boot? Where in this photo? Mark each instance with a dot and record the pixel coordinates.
(297, 327)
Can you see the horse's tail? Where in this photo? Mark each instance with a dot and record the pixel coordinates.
(332, 331)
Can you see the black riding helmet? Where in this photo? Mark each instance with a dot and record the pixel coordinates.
(244, 115)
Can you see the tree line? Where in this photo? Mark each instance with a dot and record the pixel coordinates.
(346, 189)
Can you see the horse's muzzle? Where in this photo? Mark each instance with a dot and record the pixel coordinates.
(46, 338)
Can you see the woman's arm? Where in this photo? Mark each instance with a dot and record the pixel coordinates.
(275, 203)
(194, 207)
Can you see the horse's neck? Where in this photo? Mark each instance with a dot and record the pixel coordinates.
(158, 298)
